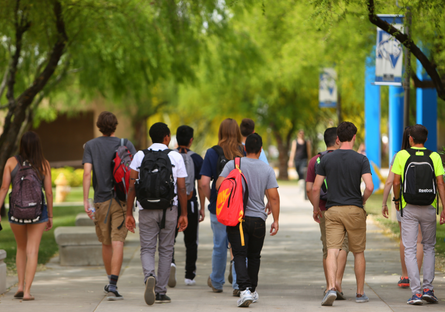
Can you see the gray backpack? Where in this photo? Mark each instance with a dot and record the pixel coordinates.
(26, 199)
(190, 167)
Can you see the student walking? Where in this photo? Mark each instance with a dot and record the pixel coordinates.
(418, 177)
(195, 214)
(229, 141)
(300, 153)
(160, 174)
(404, 280)
(343, 170)
(261, 181)
(28, 224)
(332, 144)
(110, 211)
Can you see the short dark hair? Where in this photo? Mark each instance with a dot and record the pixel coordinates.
(247, 127)
(419, 134)
(184, 134)
(106, 122)
(346, 131)
(330, 136)
(254, 142)
(158, 131)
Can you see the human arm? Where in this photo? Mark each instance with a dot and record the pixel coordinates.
(441, 189)
(182, 198)
(309, 186)
(130, 224)
(316, 187)
(396, 190)
(6, 180)
(47, 185)
(86, 183)
(218, 182)
(309, 149)
(202, 201)
(274, 201)
(204, 187)
(292, 153)
(386, 190)
(369, 186)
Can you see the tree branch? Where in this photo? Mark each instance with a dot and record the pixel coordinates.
(410, 45)
(3, 85)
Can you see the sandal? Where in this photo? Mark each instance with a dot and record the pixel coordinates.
(28, 299)
(18, 295)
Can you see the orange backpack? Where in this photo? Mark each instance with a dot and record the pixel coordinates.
(231, 201)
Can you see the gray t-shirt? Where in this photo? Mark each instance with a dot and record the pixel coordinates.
(100, 153)
(260, 177)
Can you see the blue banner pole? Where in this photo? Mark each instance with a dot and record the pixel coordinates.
(372, 119)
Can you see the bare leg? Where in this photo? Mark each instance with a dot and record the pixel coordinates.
(341, 264)
(117, 257)
(325, 272)
(419, 250)
(331, 266)
(107, 253)
(34, 235)
(360, 268)
(402, 253)
(20, 260)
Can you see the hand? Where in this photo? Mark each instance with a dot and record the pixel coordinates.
(290, 163)
(274, 228)
(267, 209)
(49, 224)
(397, 205)
(86, 206)
(130, 224)
(385, 211)
(442, 217)
(202, 214)
(317, 215)
(182, 223)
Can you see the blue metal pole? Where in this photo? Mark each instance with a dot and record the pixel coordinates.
(372, 119)
(427, 109)
(396, 95)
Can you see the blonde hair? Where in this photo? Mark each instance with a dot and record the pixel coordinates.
(229, 138)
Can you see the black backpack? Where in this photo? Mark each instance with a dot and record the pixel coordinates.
(419, 179)
(155, 188)
(324, 186)
(222, 160)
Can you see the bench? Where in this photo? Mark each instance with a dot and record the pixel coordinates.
(2, 271)
(82, 219)
(78, 245)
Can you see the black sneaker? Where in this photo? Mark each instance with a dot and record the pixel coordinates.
(149, 293)
(114, 295)
(106, 289)
(162, 299)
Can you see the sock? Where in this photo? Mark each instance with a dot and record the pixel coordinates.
(109, 277)
(113, 282)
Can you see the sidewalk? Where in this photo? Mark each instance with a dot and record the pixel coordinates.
(291, 275)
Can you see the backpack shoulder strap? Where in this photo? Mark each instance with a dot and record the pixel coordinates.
(122, 141)
(219, 150)
(237, 162)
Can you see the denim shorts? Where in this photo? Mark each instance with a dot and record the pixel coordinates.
(43, 218)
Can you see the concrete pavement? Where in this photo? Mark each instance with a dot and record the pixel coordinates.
(291, 275)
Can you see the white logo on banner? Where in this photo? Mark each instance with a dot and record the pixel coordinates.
(327, 94)
(389, 54)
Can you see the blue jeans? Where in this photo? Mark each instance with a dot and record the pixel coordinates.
(219, 255)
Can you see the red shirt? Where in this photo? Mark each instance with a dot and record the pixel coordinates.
(310, 177)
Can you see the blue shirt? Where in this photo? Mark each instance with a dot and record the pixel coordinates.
(208, 169)
(197, 160)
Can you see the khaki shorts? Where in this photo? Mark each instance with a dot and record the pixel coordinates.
(346, 219)
(344, 246)
(108, 232)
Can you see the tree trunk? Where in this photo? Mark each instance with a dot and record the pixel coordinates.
(283, 150)
(140, 132)
(17, 107)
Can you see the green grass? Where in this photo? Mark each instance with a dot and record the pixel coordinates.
(76, 194)
(62, 216)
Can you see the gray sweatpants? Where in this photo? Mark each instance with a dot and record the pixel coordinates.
(426, 217)
(149, 232)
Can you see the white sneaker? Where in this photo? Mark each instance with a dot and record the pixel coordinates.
(245, 299)
(255, 296)
(190, 282)
(172, 277)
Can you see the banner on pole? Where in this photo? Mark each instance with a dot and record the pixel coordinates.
(327, 94)
(389, 54)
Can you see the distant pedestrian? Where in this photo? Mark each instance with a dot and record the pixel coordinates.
(156, 223)
(30, 165)
(229, 141)
(299, 155)
(418, 177)
(195, 214)
(343, 170)
(109, 217)
(332, 144)
(404, 279)
(247, 127)
(261, 182)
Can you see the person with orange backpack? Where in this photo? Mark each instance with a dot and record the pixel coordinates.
(247, 238)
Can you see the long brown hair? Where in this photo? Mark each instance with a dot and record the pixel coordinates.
(31, 150)
(229, 138)
(405, 139)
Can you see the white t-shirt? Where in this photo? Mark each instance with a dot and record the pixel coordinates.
(178, 169)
